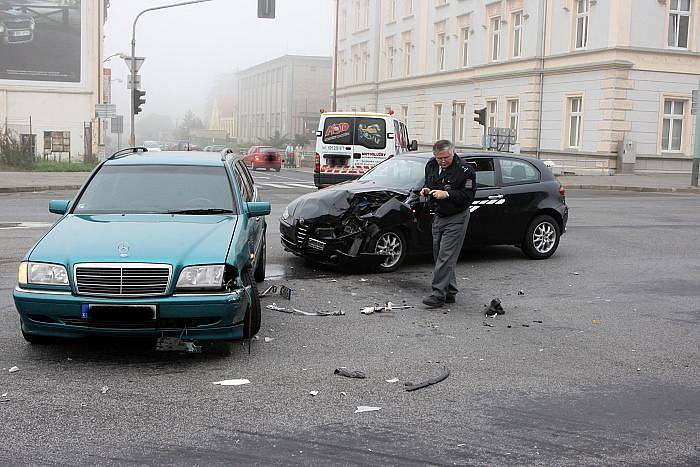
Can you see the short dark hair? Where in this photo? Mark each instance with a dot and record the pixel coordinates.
(441, 145)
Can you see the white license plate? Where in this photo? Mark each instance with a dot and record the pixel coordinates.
(317, 244)
(21, 33)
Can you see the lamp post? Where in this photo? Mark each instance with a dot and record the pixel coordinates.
(133, 54)
(335, 59)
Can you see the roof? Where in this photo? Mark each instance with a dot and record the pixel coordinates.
(205, 158)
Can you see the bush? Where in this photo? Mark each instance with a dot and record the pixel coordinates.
(15, 154)
(63, 166)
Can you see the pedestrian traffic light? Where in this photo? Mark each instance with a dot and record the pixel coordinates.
(266, 9)
(138, 98)
(480, 116)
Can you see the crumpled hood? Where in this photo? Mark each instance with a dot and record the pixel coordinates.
(334, 201)
(149, 238)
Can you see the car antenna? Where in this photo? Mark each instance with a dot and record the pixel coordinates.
(126, 151)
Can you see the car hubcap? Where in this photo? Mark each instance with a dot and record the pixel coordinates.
(544, 237)
(390, 244)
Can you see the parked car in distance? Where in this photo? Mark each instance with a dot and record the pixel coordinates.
(265, 157)
(380, 218)
(154, 244)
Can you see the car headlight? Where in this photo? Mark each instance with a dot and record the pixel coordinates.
(201, 277)
(42, 274)
(285, 214)
(2, 28)
(32, 23)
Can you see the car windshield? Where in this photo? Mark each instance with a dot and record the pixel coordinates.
(160, 189)
(398, 172)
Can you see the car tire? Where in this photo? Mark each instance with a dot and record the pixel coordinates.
(253, 317)
(541, 238)
(395, 241)
(36, 339)
(278, 169)
(252, 167)
(259, 274)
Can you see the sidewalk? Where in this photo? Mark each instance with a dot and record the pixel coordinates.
(15, 182)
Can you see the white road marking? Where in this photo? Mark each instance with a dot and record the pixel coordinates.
(274, 185)
(302, 185)
(24, 225)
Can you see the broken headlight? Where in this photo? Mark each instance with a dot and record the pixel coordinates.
(201, 277)
(285, 214)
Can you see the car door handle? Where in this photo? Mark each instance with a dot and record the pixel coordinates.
(496, 197)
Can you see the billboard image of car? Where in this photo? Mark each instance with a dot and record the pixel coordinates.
(40, 40)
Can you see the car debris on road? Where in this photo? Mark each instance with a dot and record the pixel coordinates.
(428, 382)
(232, 382)
(349, 374)
(366, 408)
(13, 369)
(494, 308)
(388, 306)
(297, 311)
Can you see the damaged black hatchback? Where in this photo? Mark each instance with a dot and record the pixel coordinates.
(379, 219)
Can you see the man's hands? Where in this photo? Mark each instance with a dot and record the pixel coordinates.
(437, 194)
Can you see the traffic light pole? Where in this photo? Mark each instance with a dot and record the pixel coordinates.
(132, 139)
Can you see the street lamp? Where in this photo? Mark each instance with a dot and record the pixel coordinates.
(118, 54)
(133, 54)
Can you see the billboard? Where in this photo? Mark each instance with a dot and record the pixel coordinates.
(41, 40)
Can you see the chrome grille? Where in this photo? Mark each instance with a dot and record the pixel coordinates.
(302, 233)
(122, 279)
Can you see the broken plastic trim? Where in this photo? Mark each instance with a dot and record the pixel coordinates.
(429, 382)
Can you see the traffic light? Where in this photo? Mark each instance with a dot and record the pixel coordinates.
(480, 116)
(266, 9)
(138, 98)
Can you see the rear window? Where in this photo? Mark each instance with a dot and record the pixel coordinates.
(268, 151)
(140, 189)
(363, 131)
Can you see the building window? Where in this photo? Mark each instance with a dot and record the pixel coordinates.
(672, 133)
(391, 14)
(461, 122)
(678, 23)
(440, 2)
(341, 67)
(56, 141)
(464, 42)
(492, 113)
(575, 106)
(440, 51)
(517, 34)
(355, 67)
(582, 9)
(364, 66)
(408, 7)
(404, 113)
(356, 18)
(407, 46)
(513, 107)
(390, 58)
(437, 122)
(495, 38)
(365, 17)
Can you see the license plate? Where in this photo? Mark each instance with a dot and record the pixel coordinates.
(317, 244)
(100, 312)
(21, 33)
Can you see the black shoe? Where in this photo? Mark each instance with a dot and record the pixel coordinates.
(450, 298)
(433, 302)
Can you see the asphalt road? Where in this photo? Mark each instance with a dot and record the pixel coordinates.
(597, 363)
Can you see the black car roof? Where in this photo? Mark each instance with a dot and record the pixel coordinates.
(546, 172)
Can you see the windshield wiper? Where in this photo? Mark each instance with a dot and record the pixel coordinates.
(201, 211)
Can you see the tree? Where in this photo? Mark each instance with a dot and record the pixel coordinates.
(275, 141)
(301, 139)
(189, 122)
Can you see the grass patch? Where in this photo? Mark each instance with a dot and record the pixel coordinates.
(62, 166)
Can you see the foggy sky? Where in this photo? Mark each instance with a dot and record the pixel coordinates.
(188, 47)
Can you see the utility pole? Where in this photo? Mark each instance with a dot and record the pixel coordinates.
(335, 60)
(696, 151)
(133, 55)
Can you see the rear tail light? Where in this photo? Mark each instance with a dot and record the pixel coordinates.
(317, 162)
(562, 190)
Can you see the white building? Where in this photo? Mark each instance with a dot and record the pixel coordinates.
(282, 95)
(51, 75)
(574, 77)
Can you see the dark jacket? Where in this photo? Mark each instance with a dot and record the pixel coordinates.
(458, 179)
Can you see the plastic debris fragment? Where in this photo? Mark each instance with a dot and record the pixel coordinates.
(13, 369)
(388, 306)
(392, 380)
(313, 393)
(232, 382)
(269, 339)
(304, 313)
(104, 389)
(175, 344)
(521, 292)
(349, 374)
(366, 408)
(494, 308)
(428, 382)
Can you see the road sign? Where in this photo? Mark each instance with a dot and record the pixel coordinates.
(137, 62)
(105, 110)
(695, 108)
(130, 85)
(117, 124)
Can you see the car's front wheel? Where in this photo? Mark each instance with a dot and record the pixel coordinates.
(253, 316)
(37, 339)
(260, 268)
(542, 237)
(393, 244)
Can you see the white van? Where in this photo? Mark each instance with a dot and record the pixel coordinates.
(348, 144)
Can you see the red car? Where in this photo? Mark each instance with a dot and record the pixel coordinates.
(264, 157)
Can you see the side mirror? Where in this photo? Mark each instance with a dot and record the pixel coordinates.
(413, 146)
(58, 206)
(258, 208)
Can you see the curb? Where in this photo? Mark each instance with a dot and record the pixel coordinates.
(639, 189)
(31, 189)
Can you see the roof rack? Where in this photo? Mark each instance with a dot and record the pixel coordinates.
(126, 151)
(224, 152)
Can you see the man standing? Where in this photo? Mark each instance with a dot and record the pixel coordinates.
(451, 186)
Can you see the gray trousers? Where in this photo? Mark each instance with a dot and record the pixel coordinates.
(448, 237)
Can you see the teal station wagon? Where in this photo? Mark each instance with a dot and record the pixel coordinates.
(154, 244)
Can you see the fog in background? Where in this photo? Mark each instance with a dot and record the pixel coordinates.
(190, 49)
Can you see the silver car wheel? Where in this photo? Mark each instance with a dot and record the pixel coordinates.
(390, 244)
(544, 237)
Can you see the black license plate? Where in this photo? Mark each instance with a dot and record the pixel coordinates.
(120, 313)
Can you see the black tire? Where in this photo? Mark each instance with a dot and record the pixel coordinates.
(253, 317)
(395, 240)
(259, 274)
(36, 339)
(277, 170)
(541, 238)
